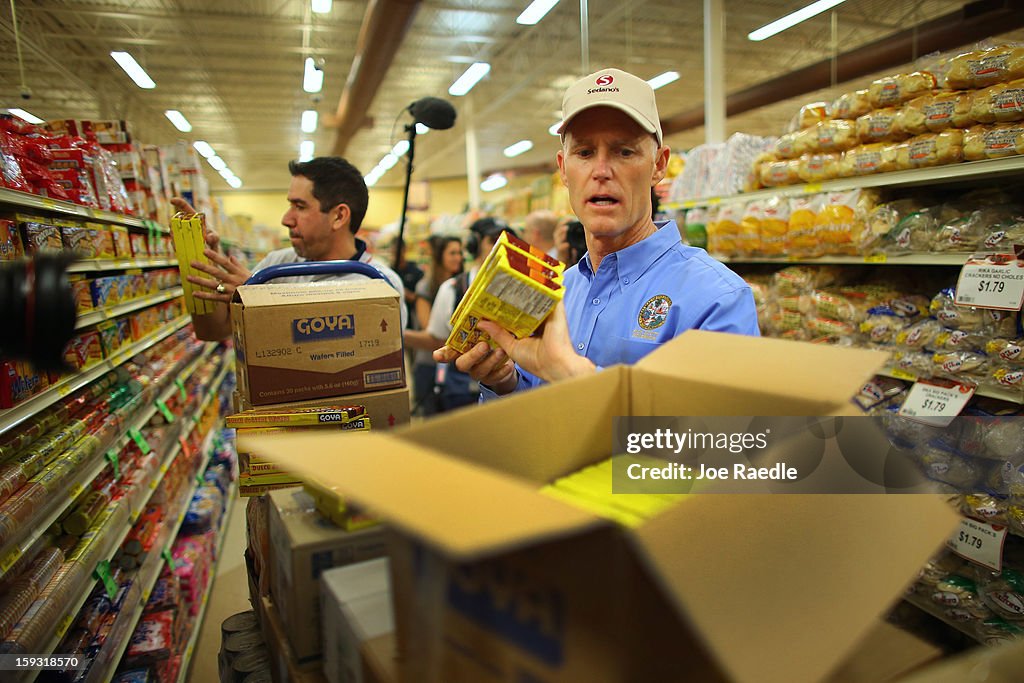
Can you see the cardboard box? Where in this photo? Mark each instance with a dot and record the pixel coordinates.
(887, 654)
(303, 545)
(295, 342)
(284, 668)
(386, 409)
(1001, 663)
(355, 607)
(494, 581)
(380, 659)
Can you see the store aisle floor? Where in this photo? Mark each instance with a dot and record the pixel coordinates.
(229, 595)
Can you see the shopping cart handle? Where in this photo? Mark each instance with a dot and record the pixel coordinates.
(306, 268)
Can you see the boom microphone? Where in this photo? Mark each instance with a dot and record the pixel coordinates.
(433, 112)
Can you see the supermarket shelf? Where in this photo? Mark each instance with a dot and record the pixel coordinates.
(90, 265)
(989, 392)
(919, 259)
(932, 609)
(921, 176)
(94, 317)
(31, 201)
(12, 417)
(186, 659)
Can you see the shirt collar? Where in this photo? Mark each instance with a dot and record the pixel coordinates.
(631, 262)
(361, 254)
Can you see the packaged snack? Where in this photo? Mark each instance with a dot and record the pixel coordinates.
(802, 236)
(40, 236)
(959, 365)
(1006, 350)
(1004, 594)
(10, 241)
(943, 463)
(881, 326)
(893, 90)
(878, 390)
(919, 335)
(994, 141)
(981, 68)
(842, 220)
(851, 105)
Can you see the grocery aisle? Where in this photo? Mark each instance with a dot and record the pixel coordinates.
(229, 594)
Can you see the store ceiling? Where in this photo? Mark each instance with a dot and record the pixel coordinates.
(234, 68)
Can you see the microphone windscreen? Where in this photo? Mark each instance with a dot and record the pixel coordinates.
(433, 112)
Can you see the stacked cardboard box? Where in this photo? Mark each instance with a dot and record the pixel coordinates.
(356, 607)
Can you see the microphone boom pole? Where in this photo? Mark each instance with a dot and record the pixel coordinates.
(399, 243)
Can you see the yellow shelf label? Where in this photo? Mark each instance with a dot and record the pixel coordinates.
(715, 200)
(875, 258)
(64, 624)
(812, 188)
(902, 374)
(11, 558)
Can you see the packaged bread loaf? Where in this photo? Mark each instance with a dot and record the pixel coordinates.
(851, 105)
(779, 172)
(982, 68)
(802, 237)
(936, 112)
(867, 159)
(932, 149)
(991, 142)
(809, 115)
(836, 135)
(1000, 103)
(894, 90)
(879, 126)
(798, 143)
(724, 229)
(843, 218)
(748, 242)
(815, 168)
(774, 226)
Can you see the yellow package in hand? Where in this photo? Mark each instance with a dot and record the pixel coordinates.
(187, 231)
(515, 288)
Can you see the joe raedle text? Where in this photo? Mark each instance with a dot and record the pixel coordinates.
(780, 471)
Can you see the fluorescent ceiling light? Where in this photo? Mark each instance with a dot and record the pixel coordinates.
(467, 80)
(518, 148)
(226, 173)
(663, 79)
(179, 120)
(422, 129)
(217, 163)
(388, 162)
(400, 148)
(204, 149)
(25, 116)
(494, 182)
(234, 182)
(134, 71)
(322, 6)
(554, 127)
(535, 12)
(370, 179)
(803, 14)
(309, 121)
(306, 149)
(312, 77)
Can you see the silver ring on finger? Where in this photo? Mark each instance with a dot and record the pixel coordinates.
(221, 289)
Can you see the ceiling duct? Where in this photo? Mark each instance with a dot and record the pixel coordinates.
(385, 26)
(973, 22)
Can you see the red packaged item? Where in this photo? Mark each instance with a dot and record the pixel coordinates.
(10, 241)
(139, 247)
(104, 240)
(39, 236)
(152, 641)
(51, 189)
(84, 350)
(37, 149)
(122, 243)
(19, 381)
(78, 239)
(10, 170)
(34, 172)
(12, 124)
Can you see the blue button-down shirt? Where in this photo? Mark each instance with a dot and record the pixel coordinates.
(646, 294)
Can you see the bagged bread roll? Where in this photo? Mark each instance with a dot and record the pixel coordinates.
(948, 110)
(780, 172)
(836, 135)
(999, 103)
(802, 237)
(933, 149)
(894, 90)
(867, 159)
(774, 226)
(796, 144)
(982, 68)
(851, 105)
(724, 229)
(992, 142)
(879, 126)
(809, 115)
(843, 218)
(911, 118)
(815, 168)
(748, 242)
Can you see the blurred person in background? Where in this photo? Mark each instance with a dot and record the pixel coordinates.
(539, 230)
(561, 244)
(445, 263)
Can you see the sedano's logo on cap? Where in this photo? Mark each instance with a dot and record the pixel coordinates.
(603, 82)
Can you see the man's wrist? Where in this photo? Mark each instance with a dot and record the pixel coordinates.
(506, 385)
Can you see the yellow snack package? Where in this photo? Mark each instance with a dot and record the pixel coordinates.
(188, 233)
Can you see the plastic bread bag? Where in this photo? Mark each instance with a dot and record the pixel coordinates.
(968, 231)
(779, 172)
(826, 328)
(774, 226)
(959, 365)
(1007, 378)
(890, 91)
(724, 229)
(938, 568)
(982, 68)
(748, 241)
(808, 115)
(931, 149)
(850, 105)
(793, 145)
(818, 167)
(941, 462)
(993, 141)
(867, 159)
(836, 135)
(996, 631)
(1001, 236)
(1004, 594)
(911, 118)
(881, 326)
(879, 126)
(968, 318)
(999, 103)
(803, 279)
(803, 238)
(950, 339)
(878, 390)
(919, 335)
(842, 220)
(944, 110)
(1009, 351)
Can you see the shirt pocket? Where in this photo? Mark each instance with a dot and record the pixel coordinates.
(630, 349)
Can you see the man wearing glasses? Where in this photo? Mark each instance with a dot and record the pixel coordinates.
(327, 201)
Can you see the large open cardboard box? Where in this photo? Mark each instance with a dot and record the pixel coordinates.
(494, 581)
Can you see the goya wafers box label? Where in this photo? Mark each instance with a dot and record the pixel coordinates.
(295, 342)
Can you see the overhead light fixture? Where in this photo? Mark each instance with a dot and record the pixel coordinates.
(535, 12)
(790, 20)
(389, 161)
(400, 148)
(217, 163)
(234, 182)
(204, 149)
(312, 77)
(321, 6)
(306, 149)
(309, 118)
(554, 127)
(467, 80)
(134, 71)
(663, 79)
(422, 129)
(373, 176)
(518, 148)
(25, 116)
(179, 120)
(494, 182)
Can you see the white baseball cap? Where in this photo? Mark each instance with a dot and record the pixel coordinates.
(613, 88)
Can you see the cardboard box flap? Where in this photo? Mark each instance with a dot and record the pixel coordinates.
(797, 580)
(813, 371)
(480, 511)
(272, 294)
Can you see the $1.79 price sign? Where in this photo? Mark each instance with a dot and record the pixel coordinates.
(992, 281)
(936, 401)
(979, 542)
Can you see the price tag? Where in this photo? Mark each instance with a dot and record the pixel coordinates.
(181, 389)
(979, 542)
(76, 492)
(995, 281)
(812, 188)
(689, 204)
(169, 559)
(49, 203)
(876, 258)
(140, 441)
(111, 456)
(11, 558)
(102, 572)
(64, 390)
(714, 201)
(936, 401)
(902, 374)
(165, 411)
(62, 628)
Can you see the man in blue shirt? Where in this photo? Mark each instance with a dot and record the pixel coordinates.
(637, 286)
